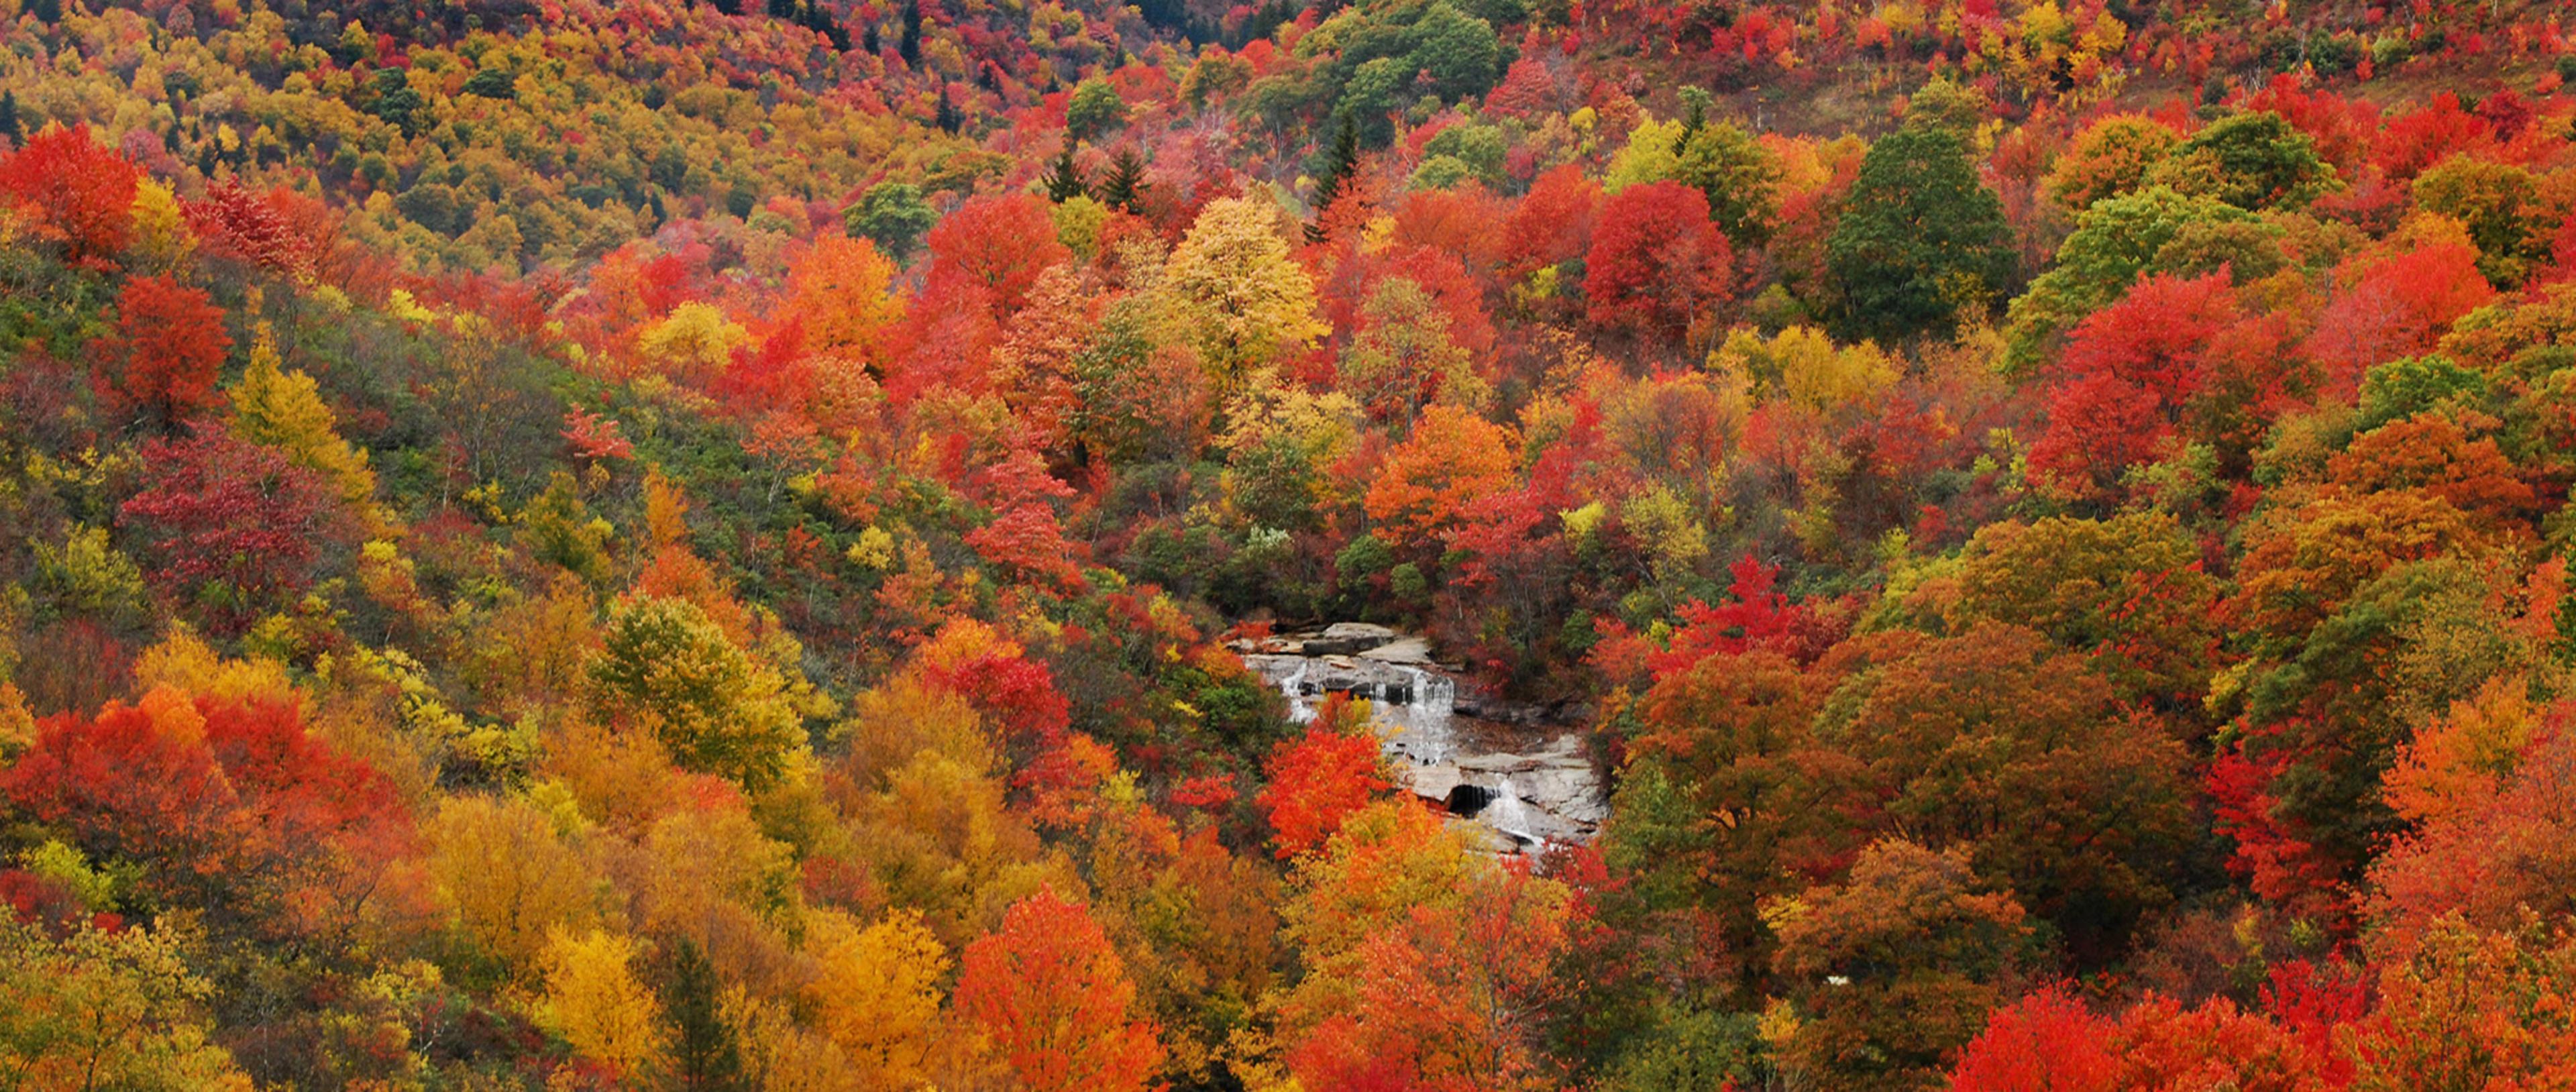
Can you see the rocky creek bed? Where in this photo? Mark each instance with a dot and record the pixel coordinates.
(1510, 776)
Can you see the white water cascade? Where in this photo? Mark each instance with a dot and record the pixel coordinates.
(1300, 711)
(1511, 815)
(1530, 788)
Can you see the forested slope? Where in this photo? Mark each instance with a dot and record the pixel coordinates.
(564, 545)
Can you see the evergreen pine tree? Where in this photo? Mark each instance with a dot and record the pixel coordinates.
(909, 46)
(704, 1054)
(1063, 178)
(947, 116)
(9, 126)
(1695, 119)
(1338, 167)
(1125, 185)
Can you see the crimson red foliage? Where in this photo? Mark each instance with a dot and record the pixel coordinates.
(1001, 243)
(80, 192)
(171, 342)
(1552, 223)
(250, 226)
(219, 798)
(2046, 1042)
(1656, 263)
(1321, 778)
(231, 526)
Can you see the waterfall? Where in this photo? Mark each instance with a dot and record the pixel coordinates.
(1534, 792)
(1509, 814)
(1433, 695)
(1294, 687)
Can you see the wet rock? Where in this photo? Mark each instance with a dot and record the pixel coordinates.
(1519, 780)
(1361, 631)
(1412, 651)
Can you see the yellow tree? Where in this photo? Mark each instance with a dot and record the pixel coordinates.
(695, 342)
(594, 1000)
(284, 410)
(99, 1009)
(1235, 290)
(876, 994)
(508, 878)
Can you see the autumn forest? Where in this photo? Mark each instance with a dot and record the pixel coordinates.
(1297, 546)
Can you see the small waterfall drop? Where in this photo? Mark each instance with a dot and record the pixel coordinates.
(1510, 814)
(1300, 711)
(1529, 788)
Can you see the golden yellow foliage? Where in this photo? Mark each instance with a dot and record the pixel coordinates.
(876, 993)
(284, 410)
(185, 663)
(1805, 367)
(508, 877)
(696, 339)
(594, 1000)
(1235, 290)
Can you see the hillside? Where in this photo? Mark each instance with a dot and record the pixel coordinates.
(1973, 544)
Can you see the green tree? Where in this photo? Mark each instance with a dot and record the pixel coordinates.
(1340, 161)
(492, 83)
(1095, 109)
(395, 101)
(2116, 241)
(1740, 179)
(2502, 206)
(1479, 148)
(1920, 240)
(892, 215)
(1124, 185)
(1455, 52)
(2253, 161)
(1688, 1050)
(705, 1054)
(666, 666)
(1063, 177)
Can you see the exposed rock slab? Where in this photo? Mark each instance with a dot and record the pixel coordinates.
(1515, 783)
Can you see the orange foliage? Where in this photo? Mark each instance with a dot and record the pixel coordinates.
(1056, 1001)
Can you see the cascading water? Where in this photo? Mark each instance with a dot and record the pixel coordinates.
(1531, 790)
(1300, 711)
(1510, 814)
